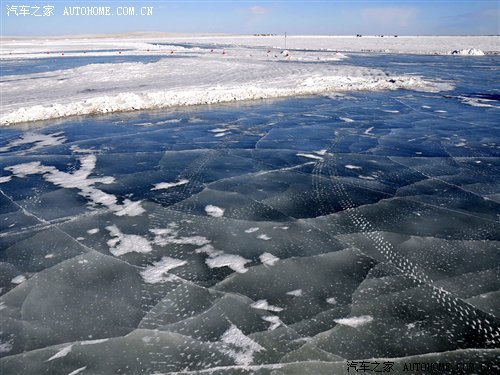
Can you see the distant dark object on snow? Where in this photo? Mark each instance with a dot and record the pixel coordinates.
(264, 34)
(358, 35)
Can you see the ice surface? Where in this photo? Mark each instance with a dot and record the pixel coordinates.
(140, 243)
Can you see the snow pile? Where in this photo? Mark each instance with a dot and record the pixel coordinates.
(467, 52)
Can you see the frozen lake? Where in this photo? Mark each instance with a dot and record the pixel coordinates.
(283, 236)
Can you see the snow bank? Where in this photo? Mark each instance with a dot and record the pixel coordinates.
(241, 74)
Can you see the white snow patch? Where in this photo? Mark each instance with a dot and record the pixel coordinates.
(126, 243)
(61, 353)
(170, 235)
(48, 256)
(220, 134)
(262, 304)
(264, 237)
(218, 259)
(93, 231)
(81, 181)
(157, 273)
(356, 321)
(274, 320)
(168, 185)
(331, 301)
(479, 102)
(18, 279)
(214, 211)
(310, 156)
(78, 370)
(390, 110)
(37, 140)
(93, 342)
(321, 152)
(367, 131)
(268, 259)
(6, 346)
(5, 179)
(129, 208)
(251, 230)
(366, 177)
(239, 346)
(295, 293)
(350, 166)
(346, 119)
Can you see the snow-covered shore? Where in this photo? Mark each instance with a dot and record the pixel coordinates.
(200, 70)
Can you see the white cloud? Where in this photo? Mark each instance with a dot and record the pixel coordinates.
(399, 16)
(258, 10)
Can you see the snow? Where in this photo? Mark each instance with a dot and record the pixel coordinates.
(350, 166)
(262, 304)
(168, 185)
(36, 140)
(78, 370)
(157, 272)
(331, 301)
(61, 353)
(263, 237)
(214, 211)
(346, 119)
(354, 322)
(310, 156)
(218, 259)
(93, 231)
(122, 244)
(18, 279)
(295, 293)
(6, 346)
(240, 347)
(5, 179)
(130, 208)
(244, 73)
(251, 230)
(93, 342)
(235, 262)
(268, 259)
(170, 235)
(467, 52)
(274, 320)
(80, 180)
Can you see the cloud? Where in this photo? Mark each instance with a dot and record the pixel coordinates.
(383, 16)
(258, 10)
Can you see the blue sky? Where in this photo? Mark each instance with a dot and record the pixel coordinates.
(334, 17)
